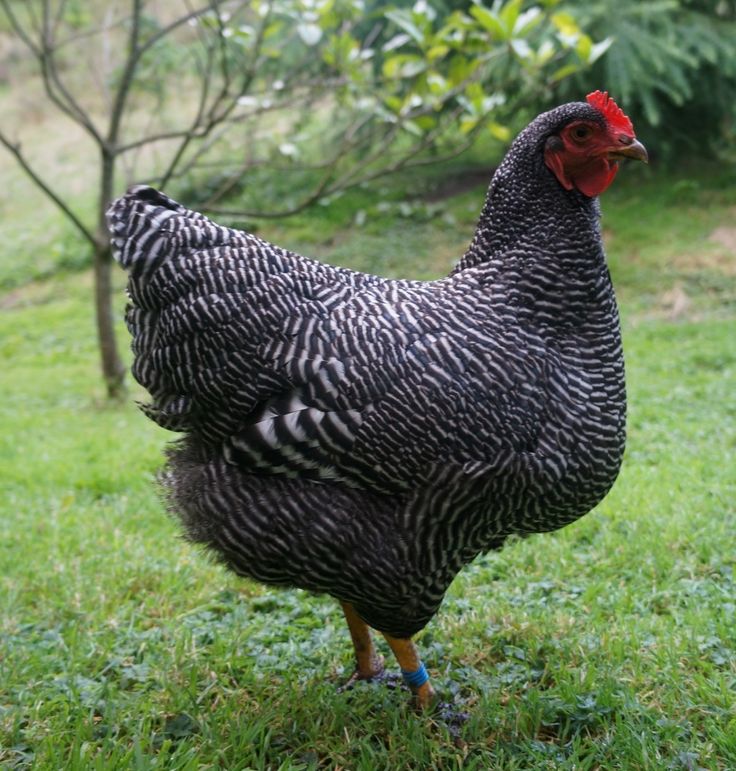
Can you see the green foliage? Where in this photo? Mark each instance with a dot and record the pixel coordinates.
(672, 65)
(339, 97)
(324, 93)
(478, 60)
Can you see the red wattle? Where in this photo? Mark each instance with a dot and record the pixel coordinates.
(595, 177)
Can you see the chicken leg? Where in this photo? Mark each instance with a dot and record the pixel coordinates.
(412, 670)
(368, 662)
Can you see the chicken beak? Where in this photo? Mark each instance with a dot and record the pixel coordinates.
(635, 149)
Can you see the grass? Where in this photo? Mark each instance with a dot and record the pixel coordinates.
(608, 645)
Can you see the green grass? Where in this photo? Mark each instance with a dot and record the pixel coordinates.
(608, 645)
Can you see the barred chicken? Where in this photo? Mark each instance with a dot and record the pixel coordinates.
(368, 437)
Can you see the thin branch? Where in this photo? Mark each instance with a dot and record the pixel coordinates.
(99, 70)
(126, 81)
(346, 145)
(44, 53)
(46, 16)
(35, 24)
(404, 159)
(311, 199)
(59, 15)
(51, 78)
(371, 158)
(198, 124)
(129, 162)
(205, 75)
(305, 203)
(83, 35)
(135, 51)
(307, 98)
(324, 187)
(18, 27)
(70, 108)
(20, 158)
(201, 132)
(194, 128)
(329, 186)
(164, 31)
(209, 141)
(214, 119)
(255, 163)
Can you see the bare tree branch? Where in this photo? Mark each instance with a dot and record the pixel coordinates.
(90, 33)
(24, 164)
(205, 76)
(59, 15)
(328, 185)
(33, 17)
(325, 186)
(43, 51)
(195, 129)
(62, 97)
(203, 131)
(18, 28)
(169, 28)
(126, 80)
(307, 98)
(215, 118)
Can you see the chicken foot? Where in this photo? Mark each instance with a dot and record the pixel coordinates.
(368, 662)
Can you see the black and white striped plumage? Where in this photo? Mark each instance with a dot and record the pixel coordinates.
(368, 437)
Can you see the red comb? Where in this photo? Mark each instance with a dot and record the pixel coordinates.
(613, 114)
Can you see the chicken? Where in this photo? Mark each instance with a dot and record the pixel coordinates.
(367, 437)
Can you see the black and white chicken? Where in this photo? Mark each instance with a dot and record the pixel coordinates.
(368, 437)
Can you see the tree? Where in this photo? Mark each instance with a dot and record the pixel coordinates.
(318, 94)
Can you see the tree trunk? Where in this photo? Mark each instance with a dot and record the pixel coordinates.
(113, 369)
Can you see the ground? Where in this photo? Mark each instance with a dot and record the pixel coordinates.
(610, 644)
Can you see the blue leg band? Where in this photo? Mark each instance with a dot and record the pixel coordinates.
(416, 678)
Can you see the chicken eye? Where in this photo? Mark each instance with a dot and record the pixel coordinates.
(581, 132)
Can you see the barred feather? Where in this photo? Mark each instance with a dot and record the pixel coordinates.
(368, 437)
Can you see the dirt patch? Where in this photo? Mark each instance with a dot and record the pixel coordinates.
(725, 236)
(706, 260)
(675, 304)
(718, 253)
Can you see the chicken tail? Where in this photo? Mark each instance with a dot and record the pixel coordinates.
(146, 227)
(138, 228)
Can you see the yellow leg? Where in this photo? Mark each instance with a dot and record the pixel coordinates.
(413, 670)
(368, 662)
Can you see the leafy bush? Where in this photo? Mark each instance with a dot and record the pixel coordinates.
(362, 91)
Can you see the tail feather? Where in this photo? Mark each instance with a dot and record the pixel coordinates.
(147, 226)
(138, 231)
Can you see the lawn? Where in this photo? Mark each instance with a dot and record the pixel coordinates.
(608, 645)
